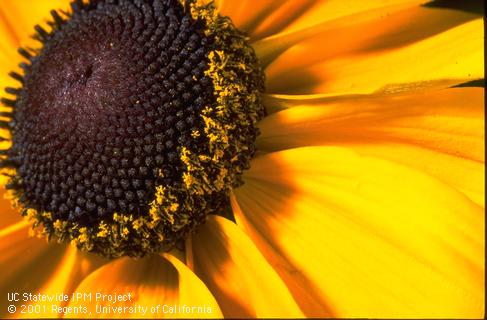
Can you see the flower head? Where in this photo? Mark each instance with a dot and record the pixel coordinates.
(319, 156)
(132, 124)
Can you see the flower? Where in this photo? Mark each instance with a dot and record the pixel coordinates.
(365, 198)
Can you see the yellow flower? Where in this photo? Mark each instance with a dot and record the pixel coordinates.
(365, 197)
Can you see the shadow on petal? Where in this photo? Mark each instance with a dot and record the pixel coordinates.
(36, 271)
(363, 56)
(243, 283)
(152, 282)
(263, 18)
(9, 214)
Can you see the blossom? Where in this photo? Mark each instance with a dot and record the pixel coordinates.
(365, 197)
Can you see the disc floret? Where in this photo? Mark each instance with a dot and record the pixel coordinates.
(146, 132)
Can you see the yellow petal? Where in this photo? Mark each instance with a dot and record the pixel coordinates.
(17, 21)
(237, 274)
(377, 239)
(464, 175)
(157, 289)
(358, 58)
(8, 42)
(23, 15)
(440, 132)
(8, 56)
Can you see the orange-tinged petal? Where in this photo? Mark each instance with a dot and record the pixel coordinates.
(376, 238)
(440, 132)
(9, 214)
(267, 18)
(158, 289)
(198, 295)
(277, 18)
(241, 280)
(329, 10)
(338, 63)
(305, 293)
(31, 265)
(35, 272)
(8, 36)
(62, 279)
(247, 15)
(18, 249)
(324, 39)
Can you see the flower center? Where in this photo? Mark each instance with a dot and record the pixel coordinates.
(134, 121)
